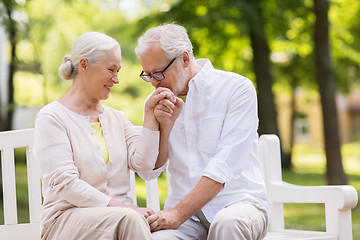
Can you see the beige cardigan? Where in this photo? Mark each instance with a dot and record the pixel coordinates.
(72, 168)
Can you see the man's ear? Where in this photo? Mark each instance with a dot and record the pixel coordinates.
(83, 64)
(186, 59)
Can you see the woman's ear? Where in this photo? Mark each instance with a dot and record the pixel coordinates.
(83, 64)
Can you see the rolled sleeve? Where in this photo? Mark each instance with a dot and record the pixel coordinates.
(218, 171)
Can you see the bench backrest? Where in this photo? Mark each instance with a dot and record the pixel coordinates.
(11, 140)
(338, 208)
(12, 230)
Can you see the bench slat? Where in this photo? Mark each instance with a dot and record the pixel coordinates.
(9, 188)
(16, 138)
(34, 186)
(299, 235)
(152, 194)
(28, 231)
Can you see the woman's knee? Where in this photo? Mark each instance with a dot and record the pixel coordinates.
(128, 215)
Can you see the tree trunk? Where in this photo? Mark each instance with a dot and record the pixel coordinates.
(11, 27)
(261, 63)
(327, 86)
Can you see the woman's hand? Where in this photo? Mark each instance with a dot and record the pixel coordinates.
(146, 212)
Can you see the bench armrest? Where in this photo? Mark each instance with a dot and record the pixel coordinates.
(340, 196)
(338, 200)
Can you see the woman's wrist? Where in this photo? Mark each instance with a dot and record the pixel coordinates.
(150, 121)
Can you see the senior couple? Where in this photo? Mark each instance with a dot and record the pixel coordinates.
(200, 124)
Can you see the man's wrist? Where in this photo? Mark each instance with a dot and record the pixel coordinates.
(179, 215)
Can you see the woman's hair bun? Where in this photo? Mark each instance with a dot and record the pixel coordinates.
(66, 68)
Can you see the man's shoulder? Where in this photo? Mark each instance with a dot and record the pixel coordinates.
(231, 78)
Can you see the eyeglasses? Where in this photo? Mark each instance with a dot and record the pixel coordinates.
(156, 75)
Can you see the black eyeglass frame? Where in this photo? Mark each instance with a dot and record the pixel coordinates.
(147, 77)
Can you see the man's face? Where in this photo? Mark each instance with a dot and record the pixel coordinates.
(155, 60)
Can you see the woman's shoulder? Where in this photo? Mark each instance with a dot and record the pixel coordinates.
(49, 108)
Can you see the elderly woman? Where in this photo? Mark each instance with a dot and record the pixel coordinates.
(85, 149)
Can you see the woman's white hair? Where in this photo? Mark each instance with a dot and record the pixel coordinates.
(172, 37)
(90, 45)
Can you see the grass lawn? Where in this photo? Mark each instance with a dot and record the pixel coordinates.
(309, 169)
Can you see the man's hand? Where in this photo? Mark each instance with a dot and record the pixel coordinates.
(165, 219)
(150, 120)
(166, 111)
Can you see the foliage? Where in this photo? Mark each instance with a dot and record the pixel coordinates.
(217, 30)
(49, 38)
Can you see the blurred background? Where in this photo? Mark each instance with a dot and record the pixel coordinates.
(303, 57)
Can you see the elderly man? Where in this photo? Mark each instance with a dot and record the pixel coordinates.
(215, 179)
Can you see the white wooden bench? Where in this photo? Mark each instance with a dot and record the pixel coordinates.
(338, 200)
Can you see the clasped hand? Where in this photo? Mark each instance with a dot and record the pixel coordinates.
(168, 108)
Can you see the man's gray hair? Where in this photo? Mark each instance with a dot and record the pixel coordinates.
(172, 37)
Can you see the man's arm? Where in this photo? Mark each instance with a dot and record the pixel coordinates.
(166, 113)
(204, 191)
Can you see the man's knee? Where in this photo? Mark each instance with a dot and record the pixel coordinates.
(224, 221)
(230, 224)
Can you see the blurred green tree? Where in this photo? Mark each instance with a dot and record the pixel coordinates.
(223, 30)
(327, 87)
(9, 9)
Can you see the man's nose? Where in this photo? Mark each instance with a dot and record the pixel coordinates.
(154, 82)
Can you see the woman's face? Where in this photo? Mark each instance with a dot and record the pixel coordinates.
(103, 75)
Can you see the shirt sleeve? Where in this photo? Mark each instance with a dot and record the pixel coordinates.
(239, 134)
(60, 176)
(152, 174)
(142, 148)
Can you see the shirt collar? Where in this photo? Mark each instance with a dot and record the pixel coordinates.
(200, 79)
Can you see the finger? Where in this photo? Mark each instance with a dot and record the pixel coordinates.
(164, 109)
(151, 212)
(168, 93)
(157, 226)
(167, 103)
(148, 213)
(179, 103)
(170, 96)
(154, 99)
(152, 219)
